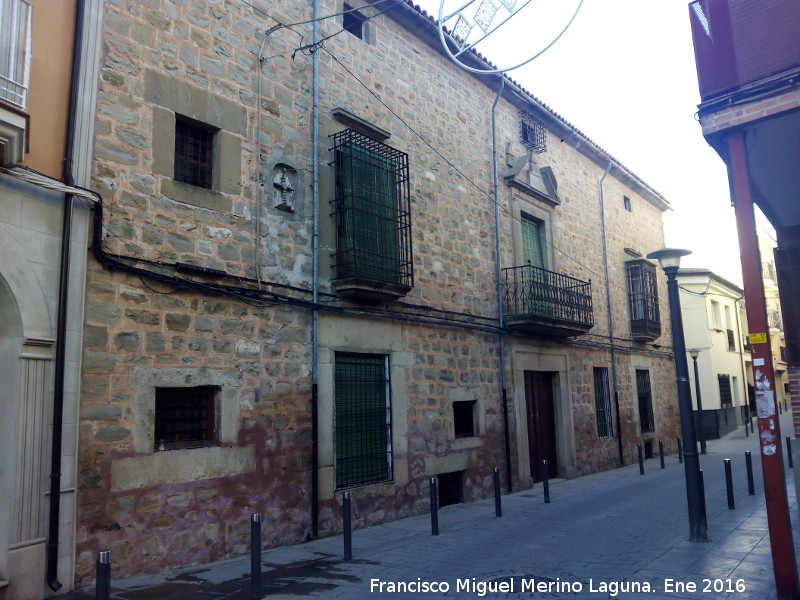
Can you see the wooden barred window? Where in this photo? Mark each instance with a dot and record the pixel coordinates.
(194, 152)
(185, 417)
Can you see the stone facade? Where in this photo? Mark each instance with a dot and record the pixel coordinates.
(246, 325)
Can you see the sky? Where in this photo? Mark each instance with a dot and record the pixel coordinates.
(624, 74)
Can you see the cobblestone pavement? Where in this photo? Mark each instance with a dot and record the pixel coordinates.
(607, 535)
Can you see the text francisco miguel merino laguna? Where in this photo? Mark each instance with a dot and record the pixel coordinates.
(508, 586)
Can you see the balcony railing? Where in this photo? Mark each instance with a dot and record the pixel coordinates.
(15, 51)
(536, 300)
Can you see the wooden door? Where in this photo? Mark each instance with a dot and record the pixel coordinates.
(541, 418)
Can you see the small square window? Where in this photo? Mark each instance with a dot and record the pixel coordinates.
(185, 417)
(464, 418)
(626, 202)
(353, 22)
(194, 152)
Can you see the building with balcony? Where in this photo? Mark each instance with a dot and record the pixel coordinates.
(715, 324)
(44, 225)
(303, 283)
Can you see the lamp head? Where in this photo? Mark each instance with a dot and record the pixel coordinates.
(669, 257)
(694, 353)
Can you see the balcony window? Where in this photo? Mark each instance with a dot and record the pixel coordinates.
(643, 300)
(15, 51)
(373, 218)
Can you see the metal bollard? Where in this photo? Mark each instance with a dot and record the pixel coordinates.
(255, 555)
(729, 483)
(434, 508)
(641, 459)
(680, 451)
(546, 482)
(347, 527)
(102, 589)
(498, 506)
(789, 452)
(751, 486)
(661, 453)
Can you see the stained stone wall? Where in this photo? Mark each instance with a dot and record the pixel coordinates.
(200, 59)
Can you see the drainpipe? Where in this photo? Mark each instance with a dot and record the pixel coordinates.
(51, 564)
(315, 293)
(610, 316)
(501, 325)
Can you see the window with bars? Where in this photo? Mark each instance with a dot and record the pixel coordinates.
(644, 393)
(731, 340)
(464, 418)
(725, 396)
(363, 419)
(194, 152)
(185, 417)
(602, 403)
(643, 300)
(373, 211)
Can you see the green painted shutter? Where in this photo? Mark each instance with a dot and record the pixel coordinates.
(363, 420)
(532, 248)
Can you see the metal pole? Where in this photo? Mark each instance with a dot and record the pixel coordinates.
(778, 520)
(751, 486)
(641, 459)
(701, 422)
(498, 506)
(434, 508)
(255, 556)
(546, 482)
(102, 589)
(347, 527)
(789, 451)
(729, 483)
(698, 528)
(661, 453)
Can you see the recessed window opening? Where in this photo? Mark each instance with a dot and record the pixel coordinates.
(602, 403)
(464, 418)
(353, 22)
(626, 202)
(185, 417)
(451, 488)
(194, 152)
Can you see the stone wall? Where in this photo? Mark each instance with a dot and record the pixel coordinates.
(199, 59)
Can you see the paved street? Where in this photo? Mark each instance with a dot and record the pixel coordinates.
(615, 528)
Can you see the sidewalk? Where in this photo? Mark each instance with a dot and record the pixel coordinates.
(607, 535)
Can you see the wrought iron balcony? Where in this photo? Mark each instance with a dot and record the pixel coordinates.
(15, 51)
(536, 300)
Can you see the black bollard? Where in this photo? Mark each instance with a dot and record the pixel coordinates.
(102, 589)
(546, 482)
(434, 508)
(680, 451)
(347, 527)
(641, 459)
(751, 486)
(661, 453)
(255, 555)
(789, 452)
(498, 507)
(703, 496)
(729, 483)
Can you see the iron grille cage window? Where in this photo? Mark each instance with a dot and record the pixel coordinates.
(643, 299)
(464, 418)
(731, 340)
(373, 210)
(194, 152)
(363, 420)
(602, 403)
(532, 132)
(725, 397)
(644, 393)
(185, 417)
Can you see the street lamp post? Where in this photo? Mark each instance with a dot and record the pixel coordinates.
(670, 259)
(701, 427)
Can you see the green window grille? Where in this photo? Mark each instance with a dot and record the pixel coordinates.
(602, 403)
(373, 210)
(644, 393)
(363, 420)
(643, 299)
